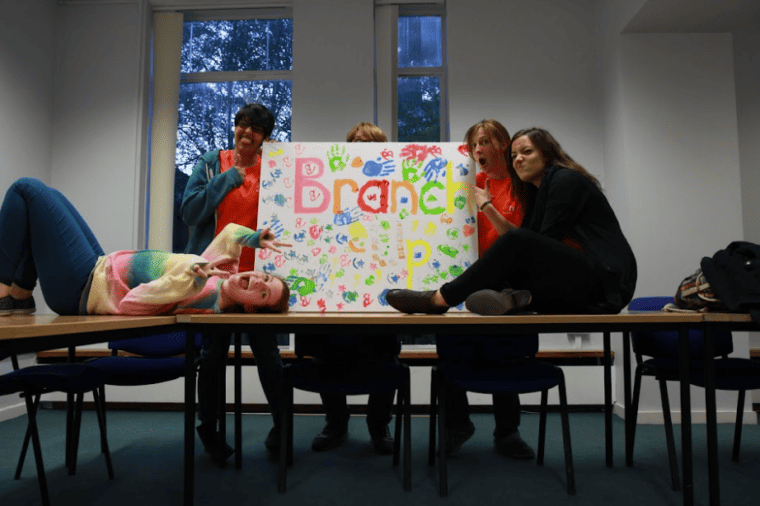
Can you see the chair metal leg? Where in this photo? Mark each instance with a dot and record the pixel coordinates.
(407, 431)
(103, 434)
(738, 427)
(74, 444)
(22, 456)
(443, 485)
(286, 432)
(238, 405)
(542, 428)
(433, 413)
(635, 410)
(397, 430)
(672, 458)
(36, 447)
(566, 438)
(100, 411)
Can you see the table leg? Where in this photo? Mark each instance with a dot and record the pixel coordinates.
(608, 398)
(238, 404)
(189, 416)
(710, 407)
(630, 423)
(684, 374)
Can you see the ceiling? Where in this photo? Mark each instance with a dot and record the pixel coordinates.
(697, 16)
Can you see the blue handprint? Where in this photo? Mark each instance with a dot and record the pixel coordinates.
(463, 170)
(347, 217)
(435, 168)
(375, 169)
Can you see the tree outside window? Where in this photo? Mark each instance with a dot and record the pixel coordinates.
(225, 65)
(422, 115)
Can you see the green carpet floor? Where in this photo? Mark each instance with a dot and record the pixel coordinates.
(147, 457)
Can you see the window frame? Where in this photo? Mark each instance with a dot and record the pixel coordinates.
(440, 72)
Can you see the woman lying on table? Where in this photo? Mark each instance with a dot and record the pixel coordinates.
(43, 236)
(568, 256)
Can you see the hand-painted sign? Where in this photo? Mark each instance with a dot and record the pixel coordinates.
(364, 218)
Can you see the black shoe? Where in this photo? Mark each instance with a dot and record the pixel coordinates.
(330, 437)
(272, 442)
(455, 438)
(10, 305)
(213, 444)
(382, 441)
(491, 302)
(513, 446)
(412, 301)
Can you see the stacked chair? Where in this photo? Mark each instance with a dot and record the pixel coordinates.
(489, 365)
(74, 379)
(661, 347)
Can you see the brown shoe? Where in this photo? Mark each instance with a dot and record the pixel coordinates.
(412, 301)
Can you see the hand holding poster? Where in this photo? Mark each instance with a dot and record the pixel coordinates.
(364, 218)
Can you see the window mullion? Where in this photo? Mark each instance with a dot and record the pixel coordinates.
(421, 71)
(242, 75)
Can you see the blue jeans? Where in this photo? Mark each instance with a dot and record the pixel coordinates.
(44, 237)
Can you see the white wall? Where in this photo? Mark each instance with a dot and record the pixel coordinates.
(551, 82)
(27, 51)
(333, 68)
(97, 112)
(747, 68)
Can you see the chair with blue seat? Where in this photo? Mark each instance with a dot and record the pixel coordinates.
(154, 359)
(735, 374)
(31, 382)
(335, 366)
(491, 365)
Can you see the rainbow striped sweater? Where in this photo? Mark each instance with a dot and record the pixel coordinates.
(152, 282)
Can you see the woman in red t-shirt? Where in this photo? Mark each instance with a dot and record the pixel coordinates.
(488, 143)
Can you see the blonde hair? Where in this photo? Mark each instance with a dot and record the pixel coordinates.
(370, 130)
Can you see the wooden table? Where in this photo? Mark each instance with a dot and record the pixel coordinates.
(459, 323)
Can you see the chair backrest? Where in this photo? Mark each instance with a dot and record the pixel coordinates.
(490, 348)
(157, 346)
(664, 344)
(347, 349)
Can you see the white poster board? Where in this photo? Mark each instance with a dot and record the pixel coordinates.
(364, 218)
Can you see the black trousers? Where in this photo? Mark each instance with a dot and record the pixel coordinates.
(561, 279)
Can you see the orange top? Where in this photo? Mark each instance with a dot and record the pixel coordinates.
(504, 202)
(241, 205)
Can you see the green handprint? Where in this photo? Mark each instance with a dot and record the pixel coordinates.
(337, 157)
(410, 169)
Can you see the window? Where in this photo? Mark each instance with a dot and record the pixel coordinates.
(228, 60)
(421, 74)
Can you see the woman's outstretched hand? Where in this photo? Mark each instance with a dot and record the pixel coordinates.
(205, 270)
(268, 240)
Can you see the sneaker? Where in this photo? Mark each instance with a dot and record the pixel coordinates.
(330, 437)
(513, 446)
(455, 438)
(382, 441)
(491, 302)
(272, 442)
(10, 305)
